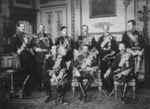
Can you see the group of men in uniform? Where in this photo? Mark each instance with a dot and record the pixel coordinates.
(55, 62)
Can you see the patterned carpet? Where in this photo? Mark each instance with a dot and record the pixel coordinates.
(35, 101)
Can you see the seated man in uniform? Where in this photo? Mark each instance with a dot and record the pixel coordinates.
(121, 69)
(85, 67)
(55, 71)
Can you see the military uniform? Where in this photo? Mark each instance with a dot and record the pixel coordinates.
(88, 40)
(50, 63)
(132, 41)
(68, 44)
(26, 57)
(44, 42)
(106, 45)
(85, 67)
(122, 69)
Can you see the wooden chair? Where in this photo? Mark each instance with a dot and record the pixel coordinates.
(132, 82)
(97, 82)
(57, 84)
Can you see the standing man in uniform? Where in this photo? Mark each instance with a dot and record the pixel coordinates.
(107, 49)
(135, 43)
(41, 44)
(20, 45)
(66, 42)
(85, 38)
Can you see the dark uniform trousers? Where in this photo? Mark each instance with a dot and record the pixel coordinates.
(124, 78)
(26, 57)
(50, 62)
(42, 41)
(70, 47)
(102, 53)
(62, 89)
(88, 84)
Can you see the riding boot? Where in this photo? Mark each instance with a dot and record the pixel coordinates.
(49, 92)
(88, 84)
(63, 94)
(124, 92)
(83, 91)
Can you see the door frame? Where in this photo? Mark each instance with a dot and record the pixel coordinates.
(44, 8)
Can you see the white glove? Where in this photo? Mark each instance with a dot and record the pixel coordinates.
(107, 73)
(47, 56)
(38, 49)
(19, 51)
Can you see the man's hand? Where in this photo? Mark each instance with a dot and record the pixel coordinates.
(19, 51)
(47, 56)
(107, 73)
(50, 72)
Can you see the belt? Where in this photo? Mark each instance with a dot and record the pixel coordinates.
(43, 50)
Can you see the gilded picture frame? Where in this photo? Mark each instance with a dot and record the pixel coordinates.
(102, 8)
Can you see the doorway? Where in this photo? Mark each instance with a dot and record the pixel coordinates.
(53, 18)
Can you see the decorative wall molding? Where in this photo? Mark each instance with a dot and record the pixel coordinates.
(72, 18)
(101, 33)
(126, 4)
(46, 1)
(80, 14)
(101, 24)
(136, 14)
(77, 3)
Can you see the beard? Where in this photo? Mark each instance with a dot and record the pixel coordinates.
(122, 51)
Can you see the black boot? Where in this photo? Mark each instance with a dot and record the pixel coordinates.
(63, 93)
(63, 101)
(48, 99)
(124, 92)
(81, 97)
(85, 99)
(82, 89)
(49, 92)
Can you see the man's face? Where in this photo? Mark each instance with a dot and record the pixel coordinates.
(85, 49)
(53, 50)
(122, 48)
(21, 28)
(106, 29)
(130, 26)
(64, 32)
(41, 29)
(84, 29)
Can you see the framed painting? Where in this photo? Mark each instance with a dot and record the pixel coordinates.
(102, 8)
(23, 3)
(46, 1)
